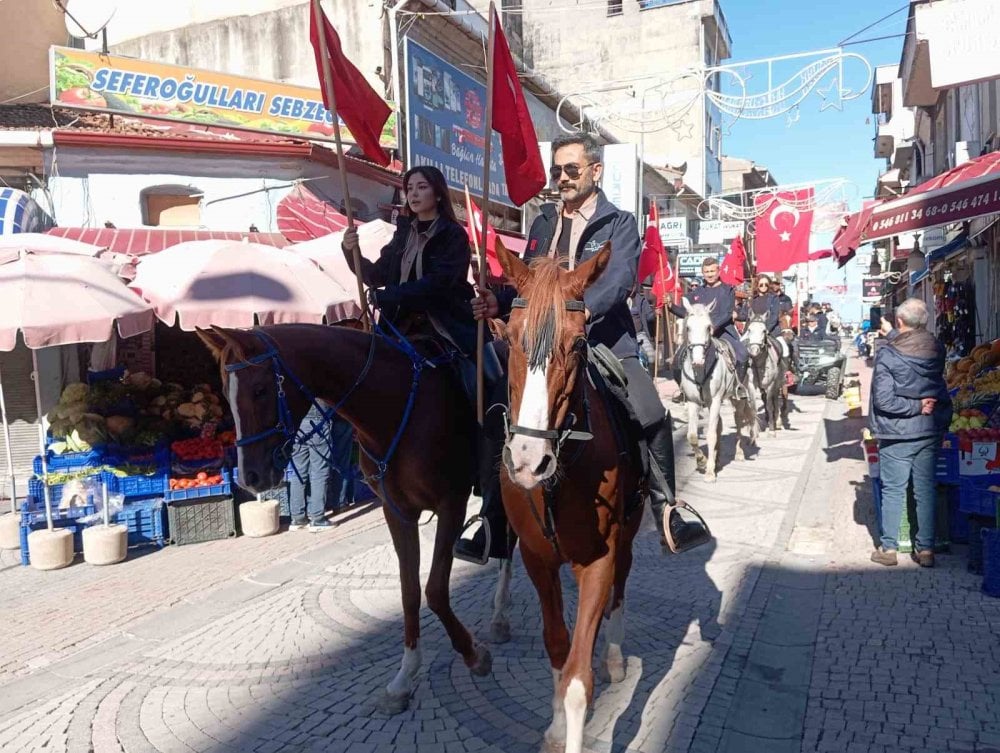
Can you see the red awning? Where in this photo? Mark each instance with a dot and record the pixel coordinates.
(848, 237)
(302, 216)
(150, 240)
(963, 193)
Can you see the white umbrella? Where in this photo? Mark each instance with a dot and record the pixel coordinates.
(325, 251)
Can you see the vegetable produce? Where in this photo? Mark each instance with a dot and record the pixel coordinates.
(201, 480)
(199, 448)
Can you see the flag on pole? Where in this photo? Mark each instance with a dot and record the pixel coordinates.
(652, 246)
(361, 108)
(783, 229)
(663, 283)
(824, 253)
(522, 159)
(734, 263)
(474, 227)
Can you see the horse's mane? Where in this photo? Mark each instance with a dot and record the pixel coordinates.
(545, 311)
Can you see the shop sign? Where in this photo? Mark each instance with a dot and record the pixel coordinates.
(978, 458)
(620, 179)
(445, 111)
(871, 288)
(689, 263)
(718, 231)
(673, 230)
(963, 42)
(935, 208)
(109, 83)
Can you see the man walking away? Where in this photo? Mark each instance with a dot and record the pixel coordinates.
(909, 412)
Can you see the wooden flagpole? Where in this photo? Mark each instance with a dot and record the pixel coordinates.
(481, 250)
(331, 97)
(656, 347)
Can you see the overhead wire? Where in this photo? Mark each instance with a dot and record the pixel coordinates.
(872, 25)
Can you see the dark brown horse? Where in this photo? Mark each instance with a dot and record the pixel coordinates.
(431, 469)
(566, 495)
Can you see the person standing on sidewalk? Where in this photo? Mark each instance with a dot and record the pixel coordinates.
(312, 463)
(909, 412)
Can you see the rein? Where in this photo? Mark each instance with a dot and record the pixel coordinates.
(294, 436)
(561, 435)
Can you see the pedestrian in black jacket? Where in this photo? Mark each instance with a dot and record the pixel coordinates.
(574, 231)
(910, 410)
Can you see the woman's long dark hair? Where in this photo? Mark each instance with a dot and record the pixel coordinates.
(438, 184)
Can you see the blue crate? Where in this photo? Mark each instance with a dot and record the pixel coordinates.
(200, 492)
(36, 488)
(107, 375)
(146, 520)
(158, 455)
(975, 498)
(132, 487)
(946, 469)
(70, 461)
(33, 519)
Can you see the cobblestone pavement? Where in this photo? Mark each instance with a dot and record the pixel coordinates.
(778, 636)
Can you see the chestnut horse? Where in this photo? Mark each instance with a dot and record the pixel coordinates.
(566, 502)
(415, 436)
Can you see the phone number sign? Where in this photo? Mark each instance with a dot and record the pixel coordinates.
(918, 213)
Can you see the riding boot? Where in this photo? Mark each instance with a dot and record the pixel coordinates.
(490, 539)
(741, 380)
(662, 476)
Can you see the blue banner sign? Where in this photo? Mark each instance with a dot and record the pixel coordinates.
(445, 114)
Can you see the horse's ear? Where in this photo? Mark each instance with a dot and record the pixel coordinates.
(514, 269)
(229, 338)
(213, 341)
(587, 273)
(687, 304)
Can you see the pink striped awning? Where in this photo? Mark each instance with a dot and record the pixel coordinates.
(139, 242)
(303, 216)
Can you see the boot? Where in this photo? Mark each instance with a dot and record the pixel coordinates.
(490, 539)
(741, 380)
(662, 477)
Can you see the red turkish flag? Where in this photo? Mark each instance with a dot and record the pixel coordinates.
(653, 254)
(783, 229)
(733, 264)
(474, 227)
(363, 111)
(522, 159)
(663, 283)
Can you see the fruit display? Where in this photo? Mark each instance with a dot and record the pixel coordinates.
(199, 448)
(977, 370)
(200, 480)
(967, 418)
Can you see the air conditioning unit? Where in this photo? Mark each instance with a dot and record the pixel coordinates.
(964, 151)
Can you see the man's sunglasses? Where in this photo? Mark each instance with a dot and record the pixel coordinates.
(572, 171)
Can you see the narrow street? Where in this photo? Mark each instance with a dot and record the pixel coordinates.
(779, 636)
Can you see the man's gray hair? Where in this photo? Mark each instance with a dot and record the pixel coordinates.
(593, 151)
(913, 313)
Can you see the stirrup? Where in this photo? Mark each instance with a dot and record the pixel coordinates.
(486, 535)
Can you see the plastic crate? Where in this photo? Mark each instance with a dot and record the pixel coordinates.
(107, 375)
(133, 487)
(193, 521)
(33, 519)
(158, 455)
(36, 488)
(201, 492)
(70, 461)
(908, 522)
(946, 470)
(975, 498)
(146, 520)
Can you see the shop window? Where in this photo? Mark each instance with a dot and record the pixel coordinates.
(614, 7)
(171, 206)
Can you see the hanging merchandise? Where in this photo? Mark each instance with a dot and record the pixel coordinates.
(955, 303)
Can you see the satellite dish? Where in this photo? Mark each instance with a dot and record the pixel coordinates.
(87, 18)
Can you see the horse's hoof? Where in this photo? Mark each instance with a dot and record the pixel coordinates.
(710, 478)
(483, 664)
(773, 433)
(500, 632)
(392, 704)
(551, 745)
(613, 672)
(740, 456)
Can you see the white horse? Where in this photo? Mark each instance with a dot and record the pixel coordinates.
(768, 365)
(709, 390)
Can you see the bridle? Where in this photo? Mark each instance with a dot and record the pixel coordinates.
(566, 432)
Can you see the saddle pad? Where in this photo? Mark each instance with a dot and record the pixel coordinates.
(609, 365)
(628, 430)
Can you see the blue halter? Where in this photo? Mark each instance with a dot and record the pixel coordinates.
(293, 435)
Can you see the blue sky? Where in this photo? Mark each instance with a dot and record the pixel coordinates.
(820, 144)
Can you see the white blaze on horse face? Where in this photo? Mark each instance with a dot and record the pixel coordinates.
(234, 385)
(528, 453)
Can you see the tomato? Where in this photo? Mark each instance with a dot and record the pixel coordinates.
(82, 96)
(202, 476)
